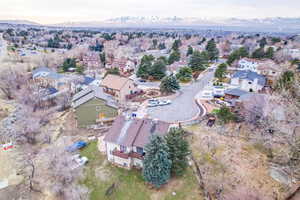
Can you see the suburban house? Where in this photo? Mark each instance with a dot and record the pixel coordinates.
(234, 93)
(125, 65)
(126, 139)
(46, 77)
(211, 91)
(269, 69)
(91, 60)
(248, 80)
(92, 106)
(248, 64)
(87, 81)
(293, 53)
(119, 87)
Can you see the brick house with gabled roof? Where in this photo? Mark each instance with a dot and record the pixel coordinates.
(126, 139)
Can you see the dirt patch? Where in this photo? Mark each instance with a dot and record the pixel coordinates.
(5, 109)
(152, 93)
(169, 189)
(229, 159)
(9, 168)
(101, 144)
(103, 173)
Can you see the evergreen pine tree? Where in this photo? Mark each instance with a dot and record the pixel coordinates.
(189, 51)
(158, 70)
(157, 165)
(258, 53)
(174, 56)
(221, 71)
(270, 53)
(198, 61)
(169, 84)
(178, 150)
(185, 74)
(176, 45)
(212, 50)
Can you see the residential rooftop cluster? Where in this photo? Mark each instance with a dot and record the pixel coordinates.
(139, 95)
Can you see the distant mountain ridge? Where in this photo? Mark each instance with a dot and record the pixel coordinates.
(278, 24)
(128, 21)
(20, 22)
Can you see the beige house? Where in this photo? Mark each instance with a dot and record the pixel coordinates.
(119, 87)
(270, 70)
(126, 139)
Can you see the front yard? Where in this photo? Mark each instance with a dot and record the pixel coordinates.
(129, 184)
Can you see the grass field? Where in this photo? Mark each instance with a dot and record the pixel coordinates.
(129, 184)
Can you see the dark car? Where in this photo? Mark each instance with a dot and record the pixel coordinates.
(142, 81)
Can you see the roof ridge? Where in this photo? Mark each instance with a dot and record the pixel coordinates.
(138, 132)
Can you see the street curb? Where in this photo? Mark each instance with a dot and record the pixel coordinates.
(199, 105)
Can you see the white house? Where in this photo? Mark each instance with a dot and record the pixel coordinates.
(247, 64)
(210, 91)
(126, 139)
(294, 53)
(129, 66)
(248, 81)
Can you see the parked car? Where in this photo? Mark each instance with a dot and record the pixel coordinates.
(153, 102)
(79, 160)
(211, 121)
(76, 146)
(222, 102)
(141, 80)
(164, 102)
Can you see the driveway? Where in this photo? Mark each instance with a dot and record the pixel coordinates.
(183, 107)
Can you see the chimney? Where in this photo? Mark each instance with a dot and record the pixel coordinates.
(255, 81)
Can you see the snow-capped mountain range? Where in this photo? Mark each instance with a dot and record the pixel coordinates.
(154, 21)
(275, 24)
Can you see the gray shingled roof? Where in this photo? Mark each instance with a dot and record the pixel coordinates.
(89, 93)
(235, 92)
(249, 75)
(46, 72)
(134, 132)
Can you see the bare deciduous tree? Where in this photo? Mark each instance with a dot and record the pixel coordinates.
(62, 173)
(11, 81)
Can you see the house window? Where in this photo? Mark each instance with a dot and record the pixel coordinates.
(98, 108)
(249, 82)
(125, 164)
(140, 150)
(123, 148)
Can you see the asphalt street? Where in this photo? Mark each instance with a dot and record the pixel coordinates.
(183, 107)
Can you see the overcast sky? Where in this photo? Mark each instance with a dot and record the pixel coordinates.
(55, 11)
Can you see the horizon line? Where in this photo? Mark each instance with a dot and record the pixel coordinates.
(101, 20)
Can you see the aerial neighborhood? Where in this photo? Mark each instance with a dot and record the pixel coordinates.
(149, 114)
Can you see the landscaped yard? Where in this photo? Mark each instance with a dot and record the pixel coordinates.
(129, 184)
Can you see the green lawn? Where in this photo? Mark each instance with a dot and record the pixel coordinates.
(129, 183)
